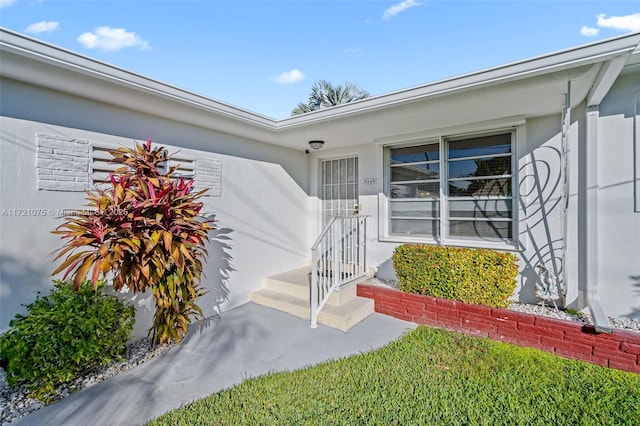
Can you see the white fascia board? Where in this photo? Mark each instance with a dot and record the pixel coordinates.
(565, 59)
(39, 51)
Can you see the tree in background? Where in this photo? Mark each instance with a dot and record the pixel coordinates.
(324, 94)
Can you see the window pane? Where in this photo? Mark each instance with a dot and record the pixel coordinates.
(430, 209)
(415, 227)
(493, 231)
(480, 187)
(351, 191)
(486, 145)
(326, 172)
(415, 190)
(415, 172)
(335, 189)
(493, 166)
(414, 154)
(481, 209)
(352, 175)
(325, 193)
(335, 171)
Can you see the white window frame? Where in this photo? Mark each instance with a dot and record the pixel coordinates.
(443, 239)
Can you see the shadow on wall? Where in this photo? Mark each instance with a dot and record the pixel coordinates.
(540, 197)
(214, 281)
(219, 261)
(635, 312)
(386, 271)
(19, 285)
(541, 201)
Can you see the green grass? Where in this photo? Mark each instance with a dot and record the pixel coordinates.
(429, 376)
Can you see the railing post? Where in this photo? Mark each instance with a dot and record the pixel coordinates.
(365, 223)
(335, 242)
(313, 282)
(340, 249)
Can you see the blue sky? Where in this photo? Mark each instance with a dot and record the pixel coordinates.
(264, 56)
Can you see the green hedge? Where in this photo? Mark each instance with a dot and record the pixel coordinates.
(62, 335)
(484, 277)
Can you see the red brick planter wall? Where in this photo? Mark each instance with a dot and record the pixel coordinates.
(620, 350)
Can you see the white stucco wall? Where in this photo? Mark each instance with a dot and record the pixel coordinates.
(261, 215)
(540, 205)
(618, 222)
(537, 151)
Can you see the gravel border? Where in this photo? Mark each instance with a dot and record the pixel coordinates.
(14, 403)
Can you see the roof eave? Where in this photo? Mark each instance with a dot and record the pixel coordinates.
(37, 50)
(591, 53)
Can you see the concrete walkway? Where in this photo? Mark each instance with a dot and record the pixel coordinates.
(247, 341)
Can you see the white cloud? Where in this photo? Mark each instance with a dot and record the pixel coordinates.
(351, 50)
(620, 23)
(42, 27)
(589, 31)
(112, 39)
(6, 3)
(400, 7)
(289, 77)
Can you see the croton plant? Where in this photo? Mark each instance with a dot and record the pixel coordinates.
(144, 231)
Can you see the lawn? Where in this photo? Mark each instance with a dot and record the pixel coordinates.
(429, 376)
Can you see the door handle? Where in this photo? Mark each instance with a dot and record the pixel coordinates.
(356, 209)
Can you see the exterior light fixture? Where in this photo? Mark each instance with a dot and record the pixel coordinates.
(316, 144)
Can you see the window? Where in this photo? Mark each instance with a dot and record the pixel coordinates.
(453, 188)
(101, 166)
(415, 190)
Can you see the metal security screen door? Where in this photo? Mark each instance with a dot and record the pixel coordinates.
(338, 187)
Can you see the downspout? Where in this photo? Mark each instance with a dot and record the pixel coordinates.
(607, 75)
(566, 124)
(600, 319)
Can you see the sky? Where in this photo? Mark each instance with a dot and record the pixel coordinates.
(264, 56)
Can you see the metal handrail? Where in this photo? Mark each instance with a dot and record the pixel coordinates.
(323, 233)
(338, 256)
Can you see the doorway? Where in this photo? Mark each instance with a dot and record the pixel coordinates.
(338, 188)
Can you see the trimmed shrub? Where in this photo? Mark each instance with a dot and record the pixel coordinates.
(483, 277)
(63, 335)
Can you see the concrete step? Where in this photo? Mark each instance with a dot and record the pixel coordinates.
(296, 283)
(290, 292)
(291, 304)
(347, 315)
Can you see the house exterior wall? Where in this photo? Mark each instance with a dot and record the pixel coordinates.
(540, 201)
(261, 213)
(619, 182)
(268, 206)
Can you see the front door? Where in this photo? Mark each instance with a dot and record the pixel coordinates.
(338, 188)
